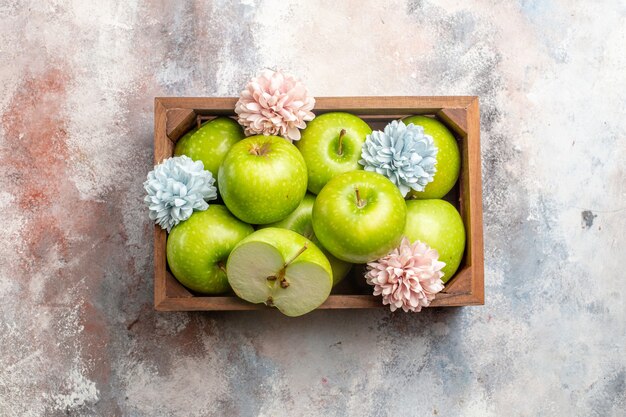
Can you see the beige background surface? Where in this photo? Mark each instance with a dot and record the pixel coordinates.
(78, 332)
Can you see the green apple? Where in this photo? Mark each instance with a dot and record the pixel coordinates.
(331, 145)
(359, 216)
(197, 248)
(438, 224)
(280, 268)
(262, 179)
(448, 157)
(210, 142)
(300, 221)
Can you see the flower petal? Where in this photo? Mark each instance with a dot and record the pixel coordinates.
(275, 103)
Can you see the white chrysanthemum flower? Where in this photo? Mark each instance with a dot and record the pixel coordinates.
(176, 188)
(402, 153)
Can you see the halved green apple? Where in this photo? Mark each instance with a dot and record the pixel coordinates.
(280, 268)
(300, 222)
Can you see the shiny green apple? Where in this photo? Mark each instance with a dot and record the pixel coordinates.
(262, 179)
(448, 157)
(438, 224)
(197, 248)
(359, 216)
(331, 145)
(210, 142)
(282, 269)
(300, 221)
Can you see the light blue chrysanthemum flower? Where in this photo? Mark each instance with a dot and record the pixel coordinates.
(176, 188)
(402, 153)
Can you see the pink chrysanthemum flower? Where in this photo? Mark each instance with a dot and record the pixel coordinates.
(275, 103)
(408, 277)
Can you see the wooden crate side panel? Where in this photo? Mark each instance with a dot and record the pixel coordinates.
(365, 104)
(178, 122)
(163, 148)
(474, 191)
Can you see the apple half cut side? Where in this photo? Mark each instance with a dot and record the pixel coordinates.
(282, 269)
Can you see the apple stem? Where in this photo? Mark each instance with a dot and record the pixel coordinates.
(270, 301)
(359, 202)
(281, 274)
(221, 266)
(261, 150)
(340, 148)
(293, 258)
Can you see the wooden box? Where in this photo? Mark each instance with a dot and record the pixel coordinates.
(175, 116)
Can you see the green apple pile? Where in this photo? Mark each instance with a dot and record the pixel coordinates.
(295, 218)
